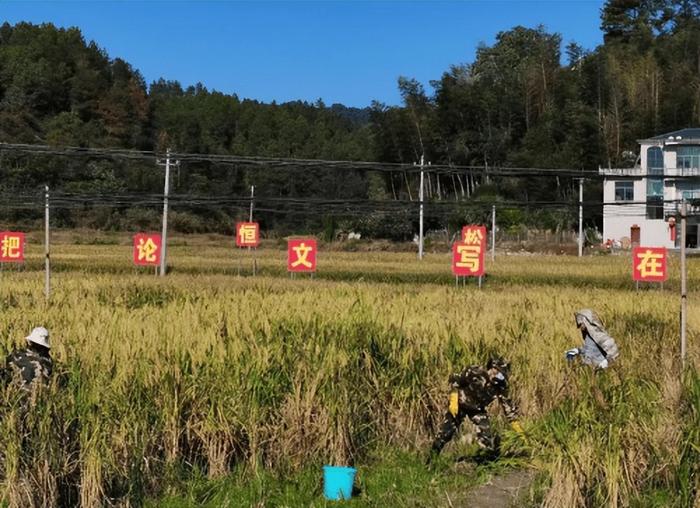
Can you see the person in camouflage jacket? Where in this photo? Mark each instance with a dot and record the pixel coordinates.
(32, 365)
(473, 390)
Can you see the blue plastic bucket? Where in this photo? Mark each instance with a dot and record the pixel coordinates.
(337, 482)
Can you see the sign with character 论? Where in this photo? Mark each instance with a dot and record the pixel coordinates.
(11, 247)
(649, 264)
(468, 254)
(301, 255)
(247, 234)
(147, 247)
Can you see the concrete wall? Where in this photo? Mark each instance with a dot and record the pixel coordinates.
(653, 233)
(670, 157)
(619, 219)
(640, 192)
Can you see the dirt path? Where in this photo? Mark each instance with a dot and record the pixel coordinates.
(502, 491)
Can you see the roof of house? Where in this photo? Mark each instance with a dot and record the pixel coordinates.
(683, 134)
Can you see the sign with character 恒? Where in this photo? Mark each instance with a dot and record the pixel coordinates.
(247, 234)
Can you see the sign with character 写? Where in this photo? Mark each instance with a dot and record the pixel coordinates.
(12, 247)
(301, 255)
(468, 254)
(147, 249)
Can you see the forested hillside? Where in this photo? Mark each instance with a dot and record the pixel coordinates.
(518, 104)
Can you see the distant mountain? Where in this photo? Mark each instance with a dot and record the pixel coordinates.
(357, 116)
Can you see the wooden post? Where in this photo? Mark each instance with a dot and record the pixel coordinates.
(420, 213)
(164, 232)
(684, 275)
(493, 233)
(47, 261)
(250, 219)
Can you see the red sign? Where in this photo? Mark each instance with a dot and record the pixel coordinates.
(468, 255)
(147, 248)
(247, 234)
(649, 264)
(301, 255)
(11, 247)
(474, 235)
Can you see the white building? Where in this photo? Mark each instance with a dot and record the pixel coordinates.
(648, 195)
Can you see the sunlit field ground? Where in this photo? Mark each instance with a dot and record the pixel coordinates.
(213, 387)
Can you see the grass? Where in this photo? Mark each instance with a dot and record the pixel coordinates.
(207, 387)
(387, 478)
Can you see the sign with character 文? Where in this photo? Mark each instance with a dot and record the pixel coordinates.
(301, 255)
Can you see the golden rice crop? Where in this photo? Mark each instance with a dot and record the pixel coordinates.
(208, 369)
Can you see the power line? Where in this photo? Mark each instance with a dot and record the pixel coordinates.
(291, 163)
(300, 206)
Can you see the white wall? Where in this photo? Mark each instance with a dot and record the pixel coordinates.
(670, 157)
(619, 219)
(653, 233)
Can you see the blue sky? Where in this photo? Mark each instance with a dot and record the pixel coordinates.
(350, 52)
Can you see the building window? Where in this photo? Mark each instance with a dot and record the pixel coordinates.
(655, 207)
(655, 187)
(690, 194)
(624, 191)
(655, 198)
(655, 161)
(688, 157)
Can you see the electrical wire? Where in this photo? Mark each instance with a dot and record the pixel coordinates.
(290, 163)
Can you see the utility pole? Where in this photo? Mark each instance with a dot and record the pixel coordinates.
(252, 195)
(164, 233)
(420, 197)
(250, 219)
(47, 263)
(580, 217)
(493, 232)
(684, 277)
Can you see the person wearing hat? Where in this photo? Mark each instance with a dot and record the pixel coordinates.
(599, 348)
(472, 391)
(33, 364)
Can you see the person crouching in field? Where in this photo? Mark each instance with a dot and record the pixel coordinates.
(32, 365)
(473, 390)
(599, 348)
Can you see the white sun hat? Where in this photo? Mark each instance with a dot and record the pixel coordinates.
(40, 336)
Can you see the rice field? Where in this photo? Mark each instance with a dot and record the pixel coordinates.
(215, 375)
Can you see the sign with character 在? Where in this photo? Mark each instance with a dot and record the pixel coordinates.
(649, 264)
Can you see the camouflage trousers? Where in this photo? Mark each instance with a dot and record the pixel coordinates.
(488, 442)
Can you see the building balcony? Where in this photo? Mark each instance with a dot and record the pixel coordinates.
(641, 172)
(636, 171)
(671, 172)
